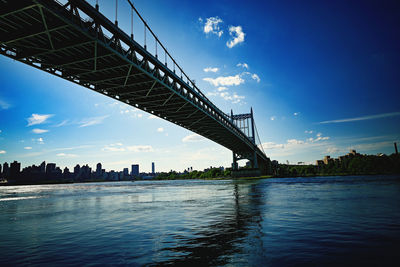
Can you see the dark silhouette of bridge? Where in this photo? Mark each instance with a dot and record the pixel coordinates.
(76, 42)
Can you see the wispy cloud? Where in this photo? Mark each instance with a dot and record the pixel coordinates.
(92, 121)
(211, 26)
(63, 123)
(4, 104)
(160, 129)
(64, 155)
(140, 148)
(38, 119)
(28, 147)
(255, 77)
(225, 81)
(237, 36)
(40, 140)
(272, 118)
(243, 65)
(3, 152)
(209, 69)
(363, 118)
(308, 132)
(222, 88)
(296, 113)
(39, 131)
(192, 138)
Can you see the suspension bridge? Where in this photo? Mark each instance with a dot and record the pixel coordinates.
(75, 41)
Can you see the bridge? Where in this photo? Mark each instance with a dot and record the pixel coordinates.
(75, 41)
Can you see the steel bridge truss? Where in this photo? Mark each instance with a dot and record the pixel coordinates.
(76, 42)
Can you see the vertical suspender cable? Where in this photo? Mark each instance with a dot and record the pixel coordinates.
(144, 24)
(132, 23)
(116, 12)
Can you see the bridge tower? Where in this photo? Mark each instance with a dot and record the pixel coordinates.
(245, 122)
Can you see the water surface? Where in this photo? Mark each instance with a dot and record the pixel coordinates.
(326, 221)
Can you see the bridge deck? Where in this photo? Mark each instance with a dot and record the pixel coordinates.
(96, 54)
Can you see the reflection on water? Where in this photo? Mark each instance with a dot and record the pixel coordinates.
(278, 222)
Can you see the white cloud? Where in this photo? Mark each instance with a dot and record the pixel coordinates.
(237, 35)
(92, 121)
(160, 129)
(66, 155)
(296, 113)
(255, 77)
(235, 98)
(332, 150)
(0, 131)
(113, 149)
(39, 140)
(4, 104)
(28, 147)
(117, 147)
(308, 132)
(39, 131)
(272, 145)
(370, 117)
(212, 26)
(225, 81)
(64, 122)
(272, 118)
(219, 89)
(140, 148)
(3, 152)
(319, 134)
(192, 138)
(244, 65)
(38, 119)
(209, 69)
(139, 115)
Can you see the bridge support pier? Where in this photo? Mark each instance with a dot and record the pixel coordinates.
(235, 166)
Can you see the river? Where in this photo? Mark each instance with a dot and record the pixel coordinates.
(319, 221)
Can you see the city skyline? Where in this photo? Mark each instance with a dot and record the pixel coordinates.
(312, 96)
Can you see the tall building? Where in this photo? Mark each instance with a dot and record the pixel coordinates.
(6, 170)
(153, 168)
(43, 167)
(125, 172)
(0, 172)
(50, 168)
(15, 169)
(135, 170)
(98, 170)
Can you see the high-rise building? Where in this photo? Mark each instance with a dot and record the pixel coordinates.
(125, 172)
(135, 170)
(98, 170)
(153, 168)
(15, 169)
(0, 172)
(6, 170)
(50, 168)
(43, 167)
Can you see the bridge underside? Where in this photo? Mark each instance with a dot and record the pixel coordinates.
(94, 53)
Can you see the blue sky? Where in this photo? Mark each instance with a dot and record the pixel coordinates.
(321, 77)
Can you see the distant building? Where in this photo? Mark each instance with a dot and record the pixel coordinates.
(319, 162)
(135, 170)
(6, 171)
(98, 170)
(50, 168)
(15, 169)
(153, 168)
(327, 159)
(126, 172)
